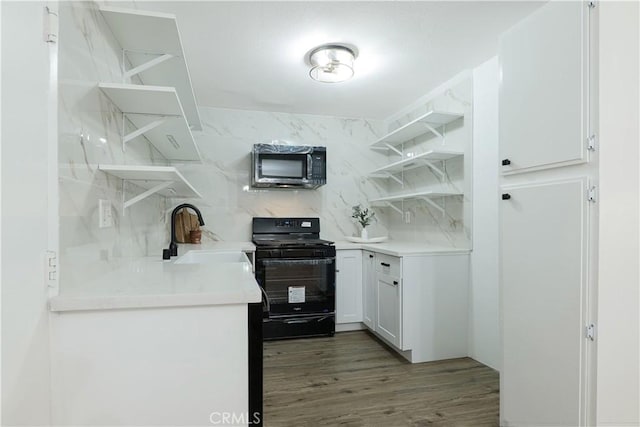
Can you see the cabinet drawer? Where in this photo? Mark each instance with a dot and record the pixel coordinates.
(390, 265)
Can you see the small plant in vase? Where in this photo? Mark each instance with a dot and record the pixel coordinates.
(364, 218)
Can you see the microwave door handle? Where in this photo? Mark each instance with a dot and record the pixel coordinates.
(309, 166)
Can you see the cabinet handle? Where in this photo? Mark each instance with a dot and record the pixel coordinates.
(370, 256)
(384, 264)
(506, 196)
(337, 271)
(395, 283)
(506, 162)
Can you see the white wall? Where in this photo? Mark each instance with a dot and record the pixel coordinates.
(484, 322)
(25, 114)
(229, 203)
(90, 128)
(618, 306)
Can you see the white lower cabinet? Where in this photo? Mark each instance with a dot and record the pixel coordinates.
(418, 304)
(164, 366)
(369, 290)
(348, 286)
(389, 308)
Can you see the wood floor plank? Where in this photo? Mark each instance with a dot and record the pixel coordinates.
(353, 380)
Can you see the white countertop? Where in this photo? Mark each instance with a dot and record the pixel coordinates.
(153, 282)
(397, 248)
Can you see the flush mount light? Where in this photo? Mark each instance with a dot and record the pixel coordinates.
(332, 63)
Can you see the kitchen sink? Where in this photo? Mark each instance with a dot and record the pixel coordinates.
(212, 257)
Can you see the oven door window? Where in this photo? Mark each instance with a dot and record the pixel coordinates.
(296, 286)
(292, 166)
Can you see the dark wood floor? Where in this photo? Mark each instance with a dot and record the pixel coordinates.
(354, 380)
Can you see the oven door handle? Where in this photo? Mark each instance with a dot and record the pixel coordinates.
(298, 261)
(305, 320)
(290, 321)
(266, 299)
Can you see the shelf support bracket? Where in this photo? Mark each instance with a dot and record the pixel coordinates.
(392, 148)
(393, 177)
(144, 129)
(149, 64)
(433, 204)
(432, 129)
(142, 196)
(394, 207)
(434, 168)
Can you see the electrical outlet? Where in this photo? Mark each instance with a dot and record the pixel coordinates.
(105, 216)
(407, 217)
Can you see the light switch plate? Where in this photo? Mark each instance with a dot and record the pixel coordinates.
(105, 216)
(407, 217)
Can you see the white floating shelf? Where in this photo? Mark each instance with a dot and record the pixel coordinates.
(420, 160)
(424, 124)
(425, 196)
(415, 196)
(153, 49)
(164, 180)
(157, 113)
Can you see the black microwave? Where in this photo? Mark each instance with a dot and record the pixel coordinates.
(288, 166)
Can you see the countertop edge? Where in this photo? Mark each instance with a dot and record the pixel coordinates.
(59, 304)
(397, 250)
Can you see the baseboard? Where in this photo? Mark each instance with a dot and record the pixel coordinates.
(345, 327)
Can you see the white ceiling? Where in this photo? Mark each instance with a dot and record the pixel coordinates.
(251, 55)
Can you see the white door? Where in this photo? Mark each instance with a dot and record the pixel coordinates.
(543, 89)
(544, 287)
(389, 311)
(349, 286)
(369, 289)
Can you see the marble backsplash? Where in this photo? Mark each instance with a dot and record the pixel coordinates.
(427, 224)
(229, 203)
(90, 133)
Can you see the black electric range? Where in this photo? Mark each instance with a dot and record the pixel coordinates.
(296, 270)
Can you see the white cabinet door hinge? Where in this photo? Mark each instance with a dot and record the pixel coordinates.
(51, 268)
(591, 194)
(590, 332)
(50, 30)
(591, 143)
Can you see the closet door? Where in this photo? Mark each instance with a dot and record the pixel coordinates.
(543, 89)
(544, 254)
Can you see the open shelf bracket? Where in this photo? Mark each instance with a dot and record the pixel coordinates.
(435, 132)
(394, 207)
(136, 133)
(393, 177)
(437, 170)
(159, 59)
(392, 148)
(441, 209)
(141, 196)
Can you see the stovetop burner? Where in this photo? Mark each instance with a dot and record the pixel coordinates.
(291, 242)
(278, 232)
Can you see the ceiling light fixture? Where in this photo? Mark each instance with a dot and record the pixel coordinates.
(332, 63)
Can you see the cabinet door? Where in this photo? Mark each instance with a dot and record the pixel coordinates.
(543, 302)
(369, 286)
(543, 96)
(349, 286)
(389, 312)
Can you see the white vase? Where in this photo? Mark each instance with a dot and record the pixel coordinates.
(364, 234)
